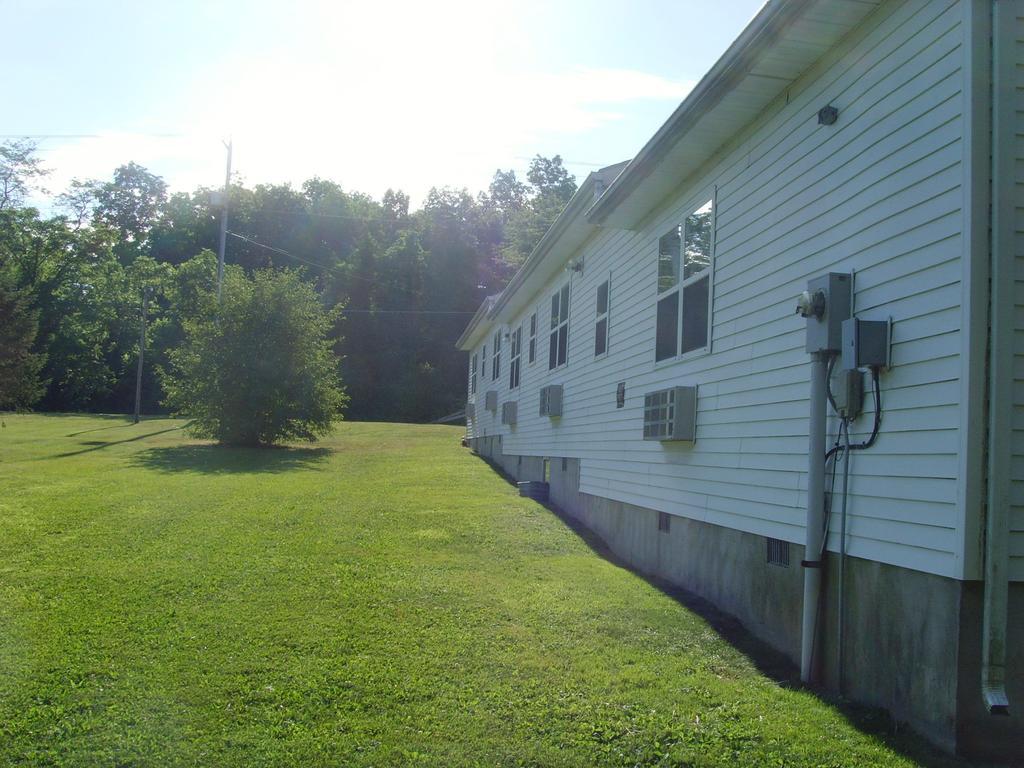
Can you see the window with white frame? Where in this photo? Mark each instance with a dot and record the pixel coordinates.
(684, 285)
(496, 356)
(558, 341)
(472, 376)
(533, 338)
(601, 324)
(514, 355)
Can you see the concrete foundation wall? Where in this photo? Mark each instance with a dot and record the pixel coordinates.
(912, 640)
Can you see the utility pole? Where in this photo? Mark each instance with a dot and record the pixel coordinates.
(142, 349)
(223, 224)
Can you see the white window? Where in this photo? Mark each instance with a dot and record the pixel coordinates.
(684, 285)
(558, 341)
(533, 337)
(601, 324)
(496, 357)
(514, 354)
(472, 376)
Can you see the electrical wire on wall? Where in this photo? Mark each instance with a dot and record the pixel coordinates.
(841, 450)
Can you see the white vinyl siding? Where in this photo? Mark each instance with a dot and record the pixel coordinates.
(878, 193)
(1017, 461)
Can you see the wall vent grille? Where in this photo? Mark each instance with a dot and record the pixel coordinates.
(664, 522)
(778, 552)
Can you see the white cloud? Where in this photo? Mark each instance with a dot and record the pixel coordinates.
(444, 97)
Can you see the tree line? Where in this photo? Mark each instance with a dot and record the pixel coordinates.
(400, 284)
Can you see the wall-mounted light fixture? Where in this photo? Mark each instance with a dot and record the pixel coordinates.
(575, 266)
(828, 115)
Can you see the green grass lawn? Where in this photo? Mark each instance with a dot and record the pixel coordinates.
(382, 598)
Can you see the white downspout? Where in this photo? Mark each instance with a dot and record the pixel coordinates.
(1000, 395)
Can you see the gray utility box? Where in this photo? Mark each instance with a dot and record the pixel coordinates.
(671, 414)
(551, 400)
(825, 331)
(470, 411)
(865, 344)
(492, 400)
(509, 412)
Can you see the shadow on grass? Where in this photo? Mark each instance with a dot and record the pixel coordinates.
(126, 423)
(222, 459)
(768, 661)
(98, 445)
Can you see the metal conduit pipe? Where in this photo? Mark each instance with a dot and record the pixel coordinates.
(841, 608)
(815, 535)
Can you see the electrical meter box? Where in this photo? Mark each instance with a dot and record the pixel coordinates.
(830, 300)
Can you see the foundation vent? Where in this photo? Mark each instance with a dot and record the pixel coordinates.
(664, 522)
(778, 552)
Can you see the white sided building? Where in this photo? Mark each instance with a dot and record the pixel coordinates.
(857, 160)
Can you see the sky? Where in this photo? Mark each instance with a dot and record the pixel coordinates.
(374, 94)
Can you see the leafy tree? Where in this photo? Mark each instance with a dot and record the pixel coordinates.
(551, 188)
(507, 194)
(263, 371)
(187, 224)
(20, 172)
(410, 278)
(131, 205)
(395, 205)
(77, 288)
(549, 178)
(19, 365)
(78, 201)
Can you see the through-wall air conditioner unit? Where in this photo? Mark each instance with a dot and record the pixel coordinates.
(470, 411)
(492, 400)
(551, 400)
(671, 414)
(509, 411)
